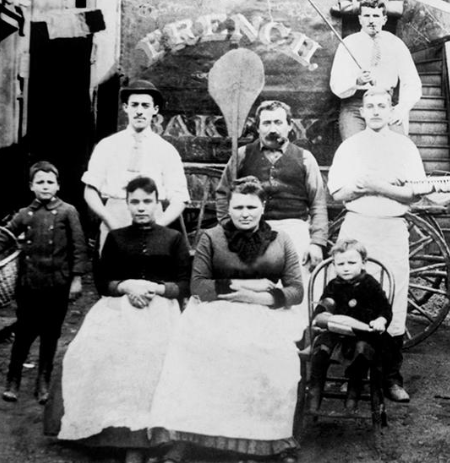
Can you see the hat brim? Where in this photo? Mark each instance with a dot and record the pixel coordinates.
(155, 94)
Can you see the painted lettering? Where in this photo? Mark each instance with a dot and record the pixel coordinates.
(157, 124)
(299, 127)
(274, 33)
(207, 126)
(204, 126)
(177, 127)
(180, 34)
(242, 26)
(151, 46)
(210, 25)
(302, 49)
(216, 27)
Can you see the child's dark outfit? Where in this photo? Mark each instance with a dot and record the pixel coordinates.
(53, 252)
(363, 299)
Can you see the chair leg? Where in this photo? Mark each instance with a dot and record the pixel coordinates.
(379, 416)
(299, 414)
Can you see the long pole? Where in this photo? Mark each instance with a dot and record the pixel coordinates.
(336, 33)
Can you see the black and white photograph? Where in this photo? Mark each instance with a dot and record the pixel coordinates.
(224, 231)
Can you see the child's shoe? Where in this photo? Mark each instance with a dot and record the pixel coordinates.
(315, 398)
(11, 393)
(41, 392)
(353, 393)
(288, 456)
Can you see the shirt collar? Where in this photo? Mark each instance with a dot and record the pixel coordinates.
(385, 132)
(147, 132)
(52, 204)
(369, 37)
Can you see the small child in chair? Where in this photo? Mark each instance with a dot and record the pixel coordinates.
(356, 294)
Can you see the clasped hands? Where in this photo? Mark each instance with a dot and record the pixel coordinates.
(247, 290)
(140, 292)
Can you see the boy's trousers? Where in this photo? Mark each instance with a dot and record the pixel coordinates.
(40, 313)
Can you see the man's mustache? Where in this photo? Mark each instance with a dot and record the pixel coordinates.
(275, 137)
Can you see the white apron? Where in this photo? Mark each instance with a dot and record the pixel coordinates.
(112, 366)
(298, 232)
(230, 371)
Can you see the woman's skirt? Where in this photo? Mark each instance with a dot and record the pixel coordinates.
(112, 367)
(229, 380)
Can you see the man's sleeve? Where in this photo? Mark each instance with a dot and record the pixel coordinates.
(410, 83)
(79, 250)
(95, 174)
(317, 201)
(175, 182)
(344, 74)
(228, 176)
(414, 169)
(338, 175)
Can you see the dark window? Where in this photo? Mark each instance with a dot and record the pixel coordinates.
(80, 3)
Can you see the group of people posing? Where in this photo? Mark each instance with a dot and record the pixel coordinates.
(222, 375)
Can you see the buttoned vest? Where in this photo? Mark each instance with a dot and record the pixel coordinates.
(284, 181)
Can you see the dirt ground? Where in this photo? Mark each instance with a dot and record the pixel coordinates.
(418, 432)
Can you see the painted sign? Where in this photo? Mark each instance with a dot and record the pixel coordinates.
(174, 44)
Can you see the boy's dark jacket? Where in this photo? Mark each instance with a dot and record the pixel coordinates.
(362, 298)
(54, 249)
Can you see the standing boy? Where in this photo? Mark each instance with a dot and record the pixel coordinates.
(52, 260)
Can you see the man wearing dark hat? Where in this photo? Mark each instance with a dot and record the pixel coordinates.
(133, 152)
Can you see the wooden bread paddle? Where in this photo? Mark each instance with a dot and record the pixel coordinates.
(234, 82)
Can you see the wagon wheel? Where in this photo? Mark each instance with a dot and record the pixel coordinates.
(200, 213)
(428, 293)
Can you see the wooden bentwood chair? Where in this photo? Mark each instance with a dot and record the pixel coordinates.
(336, 382)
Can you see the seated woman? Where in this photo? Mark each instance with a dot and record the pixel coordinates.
(112, 366)
(230, 377)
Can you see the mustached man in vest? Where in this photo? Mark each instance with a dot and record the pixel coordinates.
(290, 175)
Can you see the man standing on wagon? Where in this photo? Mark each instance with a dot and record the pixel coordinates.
(385, 62)
(369, 173)
(135, 151)
(290, 175)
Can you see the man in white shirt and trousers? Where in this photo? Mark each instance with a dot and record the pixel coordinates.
(384, 61)
(135, 151)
